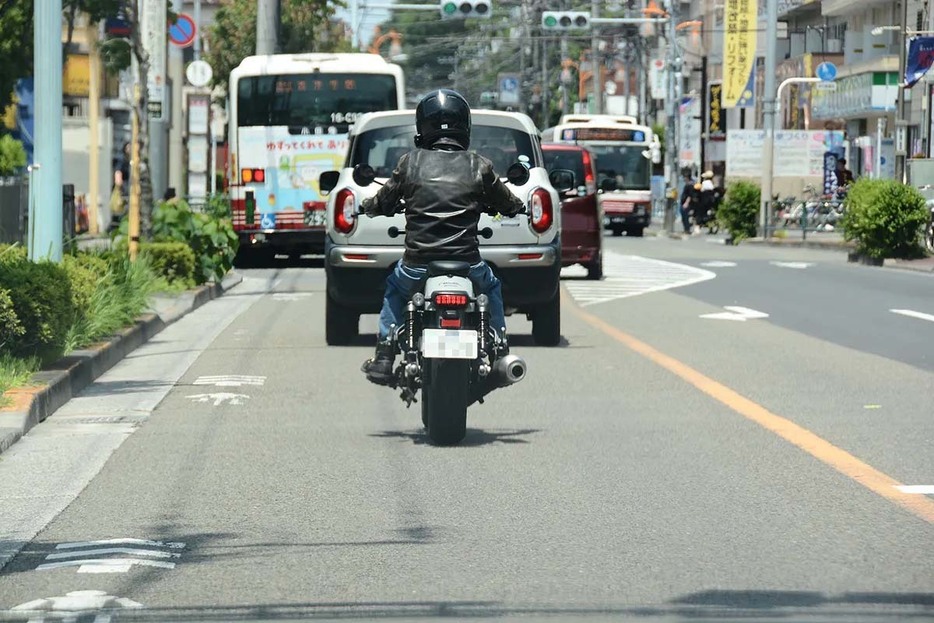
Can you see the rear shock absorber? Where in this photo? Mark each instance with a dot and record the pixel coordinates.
(483, 303)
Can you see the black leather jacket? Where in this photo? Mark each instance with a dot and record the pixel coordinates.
(445, 190)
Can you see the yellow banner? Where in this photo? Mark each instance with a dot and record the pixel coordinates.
(739, 53)
(76, 78)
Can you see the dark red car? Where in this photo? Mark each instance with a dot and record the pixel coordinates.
(581, 221)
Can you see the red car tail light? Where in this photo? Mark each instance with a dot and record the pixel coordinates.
(344, 211)
(542, 213)
(451, 300)
(589, 179)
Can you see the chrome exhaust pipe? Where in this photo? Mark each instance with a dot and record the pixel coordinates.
(510, 369)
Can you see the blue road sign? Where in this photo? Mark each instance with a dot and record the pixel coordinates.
(182, 32)
(268, 221)
(826, 71)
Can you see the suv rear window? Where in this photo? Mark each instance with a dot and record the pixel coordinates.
(570, 159)
(381, 148)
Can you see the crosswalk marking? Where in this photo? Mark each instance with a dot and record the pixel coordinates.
(631, 275)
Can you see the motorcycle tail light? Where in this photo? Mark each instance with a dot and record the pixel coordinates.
(451, 300)
(344, 211)
(450, 323)
(542, 213)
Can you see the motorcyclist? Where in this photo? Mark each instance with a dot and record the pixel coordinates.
(445, 189)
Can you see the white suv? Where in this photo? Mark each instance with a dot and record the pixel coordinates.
(524, 251)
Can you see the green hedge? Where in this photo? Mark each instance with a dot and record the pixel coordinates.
(43, 301)
(173, 260)
(739, 212)
(11, 329)
(885, 218)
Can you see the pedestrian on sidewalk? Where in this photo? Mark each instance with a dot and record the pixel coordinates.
(690, 195)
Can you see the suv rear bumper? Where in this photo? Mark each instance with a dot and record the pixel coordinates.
(356, 275)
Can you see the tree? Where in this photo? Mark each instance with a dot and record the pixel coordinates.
(307, 26)
(15, 46)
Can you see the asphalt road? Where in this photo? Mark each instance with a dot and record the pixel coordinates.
(660, 465)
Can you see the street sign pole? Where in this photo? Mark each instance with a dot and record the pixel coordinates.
(768, 107)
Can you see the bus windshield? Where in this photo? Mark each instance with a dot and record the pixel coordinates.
(313, 100)
(624, 164)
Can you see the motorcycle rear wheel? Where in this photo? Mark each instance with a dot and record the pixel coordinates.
(444, 400)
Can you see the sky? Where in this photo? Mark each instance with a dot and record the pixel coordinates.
(369, 19)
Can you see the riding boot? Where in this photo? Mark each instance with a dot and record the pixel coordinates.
(379, 369)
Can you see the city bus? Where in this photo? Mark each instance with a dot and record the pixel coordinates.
(288, 119)
(624, 152)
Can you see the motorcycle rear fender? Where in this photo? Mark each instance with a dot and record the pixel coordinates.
(448, 284)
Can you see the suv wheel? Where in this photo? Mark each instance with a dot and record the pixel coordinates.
(636, 232)
(341, 323)
(546, 322)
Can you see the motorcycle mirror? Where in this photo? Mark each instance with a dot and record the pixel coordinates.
(517, 174)
(363, 175)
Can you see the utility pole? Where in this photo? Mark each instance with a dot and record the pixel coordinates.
(671, 109)
(94, 113)
(768, 109)
(267, 27)
(901, 114)
(47, 177)
(595, 60)
(176, 71)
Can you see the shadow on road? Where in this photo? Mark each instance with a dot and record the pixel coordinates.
(475, 437)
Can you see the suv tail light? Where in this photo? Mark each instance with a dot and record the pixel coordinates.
(451, 300)
(344, 211)
(542, 213)
(589, 179)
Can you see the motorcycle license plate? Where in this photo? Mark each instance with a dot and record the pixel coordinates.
(449, 344)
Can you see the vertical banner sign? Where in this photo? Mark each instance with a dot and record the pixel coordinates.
(690, 136)
(155, 32)
(919, 60)
(716, 128)
(739, 53)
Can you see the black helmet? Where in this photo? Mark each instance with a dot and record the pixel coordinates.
(442, 114)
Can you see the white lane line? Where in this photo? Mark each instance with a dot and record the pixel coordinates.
(105, 565)
(918, 489)
(734, 312)
(718, 264)
(230, 380)
(169, 544)
(913, 314)
(129, 551)
(798, 265)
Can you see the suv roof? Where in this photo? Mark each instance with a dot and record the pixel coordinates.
(386, 119)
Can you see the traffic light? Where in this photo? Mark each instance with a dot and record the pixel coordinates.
(565, 20)
(459, 9)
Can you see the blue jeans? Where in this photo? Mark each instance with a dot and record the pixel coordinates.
(400, 286)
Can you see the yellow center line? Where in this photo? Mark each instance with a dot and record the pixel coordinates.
(818, 447)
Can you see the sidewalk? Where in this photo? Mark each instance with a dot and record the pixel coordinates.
(57, 383)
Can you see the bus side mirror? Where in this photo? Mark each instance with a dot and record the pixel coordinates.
(327, 181)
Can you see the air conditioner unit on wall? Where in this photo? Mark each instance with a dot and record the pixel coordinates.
(834, 46)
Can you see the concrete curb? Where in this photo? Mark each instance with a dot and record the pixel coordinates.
(832, 245)
(64, 379)
(909, 265)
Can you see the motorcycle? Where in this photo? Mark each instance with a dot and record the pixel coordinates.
(448, 349)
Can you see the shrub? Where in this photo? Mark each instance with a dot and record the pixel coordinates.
(42, 300)
(11, 329)
(885, 218)
(10, 254)
(12, 155)
(83, 281)
(739, 212)
(212, 239)
(173, 260)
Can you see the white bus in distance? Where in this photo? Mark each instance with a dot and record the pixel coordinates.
(288, 122)
(624, 151)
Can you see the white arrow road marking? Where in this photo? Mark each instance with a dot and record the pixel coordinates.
(719, 264)
(733, 312)
(169, 544)
(112, 550)
(230, 380)
(291, 296)
(70, 606)
(105, 565)
(220, 398)
(919, 489)
(913, 314)
(798, 265)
